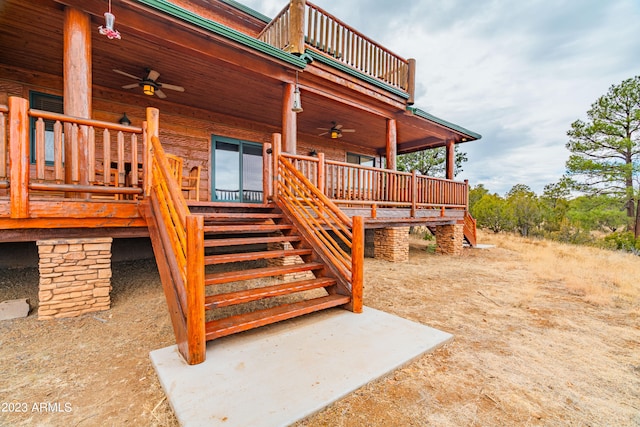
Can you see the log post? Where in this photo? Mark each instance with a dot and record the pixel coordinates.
(276, 141)
(266, 170)
(153, 124)
(451, 158)
(289, 120)
(77, 84)
(321, 173)
(296, 26)
(196, 339)
(414, 192)
(357, 265)
(391, 149)
(411, 81)
(19, 157)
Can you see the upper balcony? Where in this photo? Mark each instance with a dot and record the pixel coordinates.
(303, 26)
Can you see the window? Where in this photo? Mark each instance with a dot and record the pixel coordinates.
(46, 102)
(361, 159)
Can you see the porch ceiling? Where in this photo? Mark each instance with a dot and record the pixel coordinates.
(218, 74)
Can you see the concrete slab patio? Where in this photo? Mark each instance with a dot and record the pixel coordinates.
(276, 375)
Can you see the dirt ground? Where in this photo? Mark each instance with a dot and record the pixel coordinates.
(545, 334)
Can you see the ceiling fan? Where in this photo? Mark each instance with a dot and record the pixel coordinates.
(150, 84)
(335, 131)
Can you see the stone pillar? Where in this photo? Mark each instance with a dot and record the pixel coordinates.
(75, 277)
(391, 244)
(449, 239)
(287, 260)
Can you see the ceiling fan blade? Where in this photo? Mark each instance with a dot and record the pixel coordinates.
(323, 129)
(131, 86)
(153, 75)
(338, 127)
(126, 74)
(323, 133)
(160, 94)
(348, 130)
(172, 87)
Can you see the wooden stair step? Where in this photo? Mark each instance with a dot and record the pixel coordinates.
(247, 228)
(255, 273)
(243, 322)
(239, 215)
(213, 243)
(248, 295)
(252, 256)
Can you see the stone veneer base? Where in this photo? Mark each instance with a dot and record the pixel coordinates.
(75, 277)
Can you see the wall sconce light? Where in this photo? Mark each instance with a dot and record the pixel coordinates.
(313, 153)
(124, 120)
(297, 101)
(148, 89)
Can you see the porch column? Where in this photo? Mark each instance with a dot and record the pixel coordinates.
(289, 120)
(451, 158)
(392, 136)
(77, 82)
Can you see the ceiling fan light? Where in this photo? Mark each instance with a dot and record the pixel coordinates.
(334, 134)
(148, 89)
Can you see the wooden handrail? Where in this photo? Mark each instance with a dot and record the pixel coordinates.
(178, 239)
(347, 183)
(337, 239)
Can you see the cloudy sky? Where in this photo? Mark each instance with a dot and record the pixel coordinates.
(519, 73)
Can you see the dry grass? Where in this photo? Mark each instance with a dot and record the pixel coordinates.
(545, 334)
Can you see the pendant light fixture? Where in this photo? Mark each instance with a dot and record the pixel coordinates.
(297, 102)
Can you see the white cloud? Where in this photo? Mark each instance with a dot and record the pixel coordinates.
(519, 73)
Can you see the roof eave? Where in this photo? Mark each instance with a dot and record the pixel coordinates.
(468, 134)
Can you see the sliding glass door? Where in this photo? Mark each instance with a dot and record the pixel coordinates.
(237, 170)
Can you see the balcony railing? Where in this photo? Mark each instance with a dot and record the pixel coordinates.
(63, 157)
(351, 184)
(301, 23)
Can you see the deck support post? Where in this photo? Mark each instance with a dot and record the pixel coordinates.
(451, 158)
(289, 120)
(357, 265)
(195, 318)
(19, 157)
(77, 87)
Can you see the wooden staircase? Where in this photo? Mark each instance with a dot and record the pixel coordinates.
(237, 235)
(202, 251)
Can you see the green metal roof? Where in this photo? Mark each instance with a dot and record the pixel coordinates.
(352, 71)
(224, 31)
(423, 114)
(247, 10)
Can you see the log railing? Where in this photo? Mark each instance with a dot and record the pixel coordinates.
(326, 33)
(178, 243)
(337, 239)
(347, 183)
